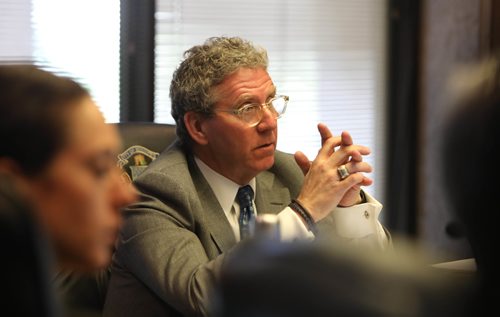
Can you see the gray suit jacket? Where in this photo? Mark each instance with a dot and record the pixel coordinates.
(174, 240)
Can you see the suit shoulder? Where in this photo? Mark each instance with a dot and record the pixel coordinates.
(285, 163)
(171, 163)
(286, 170)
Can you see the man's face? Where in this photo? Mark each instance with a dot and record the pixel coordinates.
(234, 148)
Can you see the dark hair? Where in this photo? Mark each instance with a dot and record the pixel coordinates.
(33, 108)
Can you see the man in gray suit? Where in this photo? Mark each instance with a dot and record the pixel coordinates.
(174, 241)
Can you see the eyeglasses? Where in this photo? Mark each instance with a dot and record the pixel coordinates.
(252, 113)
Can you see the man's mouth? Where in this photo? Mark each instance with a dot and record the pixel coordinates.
(266, 145)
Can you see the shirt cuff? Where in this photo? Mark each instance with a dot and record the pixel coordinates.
(359, 221)
(292, 227)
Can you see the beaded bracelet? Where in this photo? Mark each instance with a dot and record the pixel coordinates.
(298, 208)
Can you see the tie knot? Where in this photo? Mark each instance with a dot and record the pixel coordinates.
(245, 195)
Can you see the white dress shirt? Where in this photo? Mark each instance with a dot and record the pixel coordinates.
(353, 222)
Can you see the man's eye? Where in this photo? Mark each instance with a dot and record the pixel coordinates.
(248, 109)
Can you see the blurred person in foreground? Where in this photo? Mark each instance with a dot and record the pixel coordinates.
(60, 188)
(273, 279)
(471, 151)
(226, 108)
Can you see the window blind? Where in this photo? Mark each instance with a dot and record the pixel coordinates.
(75, 38)
(15, 32)
(329, 56)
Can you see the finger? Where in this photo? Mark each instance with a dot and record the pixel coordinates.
(328, 148)
(325, 132)
(358, 167)
(342, 155)
(366, 181)
(357, 179)
(356, 156)
(346, 138)
(337, 141)
(346, 141)
(302, 161)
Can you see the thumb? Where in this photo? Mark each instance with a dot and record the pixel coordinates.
(302, 161)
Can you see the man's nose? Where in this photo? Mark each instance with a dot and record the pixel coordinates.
(269, 119)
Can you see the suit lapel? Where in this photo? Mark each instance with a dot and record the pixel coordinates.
(271, 196)
(213, 215)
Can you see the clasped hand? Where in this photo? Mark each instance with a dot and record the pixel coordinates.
(323, 189)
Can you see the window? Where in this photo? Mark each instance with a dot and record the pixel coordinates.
(77, 38)
(327, 55)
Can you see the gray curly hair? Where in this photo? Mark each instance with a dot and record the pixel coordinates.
(204, 67)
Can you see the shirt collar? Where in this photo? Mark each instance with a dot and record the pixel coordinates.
(224, 189)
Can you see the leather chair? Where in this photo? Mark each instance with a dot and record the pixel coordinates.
(142, 143)
(154, 136)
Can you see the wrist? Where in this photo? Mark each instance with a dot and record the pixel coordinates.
(361, 199)
(304, 214)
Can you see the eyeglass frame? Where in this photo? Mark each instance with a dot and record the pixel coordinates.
(267, 105)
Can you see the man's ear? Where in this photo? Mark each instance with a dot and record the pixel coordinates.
(193, 122)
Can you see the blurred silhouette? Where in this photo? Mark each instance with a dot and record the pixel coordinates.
(60, 191)
(471, 148)
(268, 278)
(24, 264)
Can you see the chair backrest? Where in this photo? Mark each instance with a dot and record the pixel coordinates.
(142, 143)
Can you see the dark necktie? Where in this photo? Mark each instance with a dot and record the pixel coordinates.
(245, 197)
